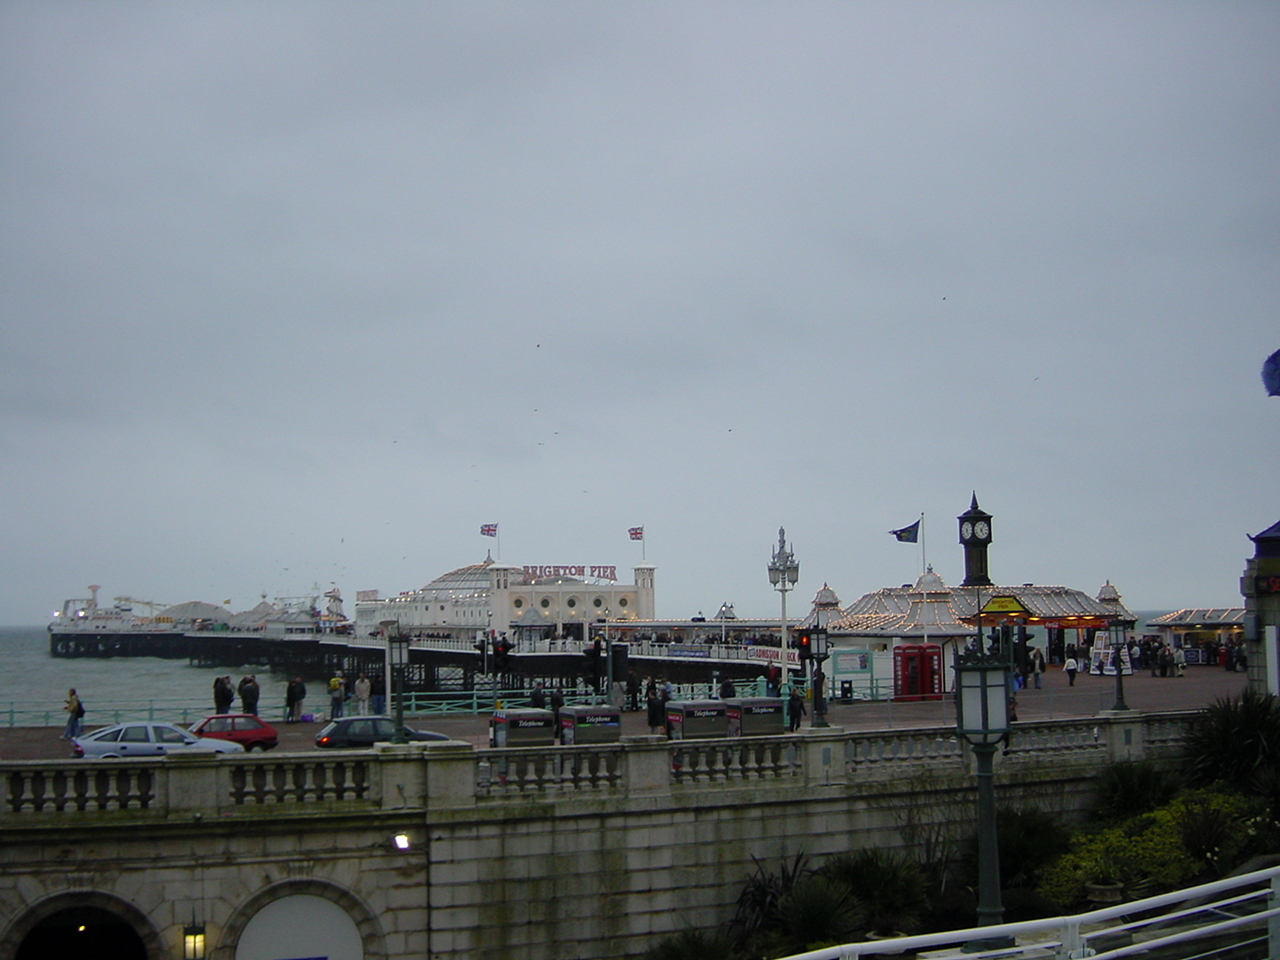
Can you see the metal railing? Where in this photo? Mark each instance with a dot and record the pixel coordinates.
(1237, 918)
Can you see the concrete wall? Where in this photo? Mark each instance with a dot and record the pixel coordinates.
(556, 853)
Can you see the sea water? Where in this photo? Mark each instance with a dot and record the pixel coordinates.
(33, 681)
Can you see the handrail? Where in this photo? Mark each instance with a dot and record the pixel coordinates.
(1069, 936)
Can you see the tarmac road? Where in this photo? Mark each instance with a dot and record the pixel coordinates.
(1198, 688)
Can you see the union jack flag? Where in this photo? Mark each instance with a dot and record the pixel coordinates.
(637, 533)
(488, 529)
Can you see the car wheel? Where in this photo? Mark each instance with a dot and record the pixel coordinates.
(249, 748)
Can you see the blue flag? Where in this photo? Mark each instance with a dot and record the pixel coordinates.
(908, 534)
(1271, 374)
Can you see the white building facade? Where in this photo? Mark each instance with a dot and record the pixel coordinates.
(491, 596)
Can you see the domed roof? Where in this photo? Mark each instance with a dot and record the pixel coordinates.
(469, 579)
(930, 582)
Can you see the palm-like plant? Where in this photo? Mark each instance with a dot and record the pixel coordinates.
(1236, 740)
(887, 885)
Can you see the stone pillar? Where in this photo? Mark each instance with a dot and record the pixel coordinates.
(646, 766)
(1260, 587)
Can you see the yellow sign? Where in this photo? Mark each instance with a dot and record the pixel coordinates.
(1005, 605)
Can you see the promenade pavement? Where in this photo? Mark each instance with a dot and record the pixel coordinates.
(1199, 687)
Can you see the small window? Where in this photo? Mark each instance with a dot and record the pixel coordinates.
(111, 736)
(518, 604)
(248, 723)
(546, 602)
(597, 603)
(134, 735)
(572, 603)
(622, 602)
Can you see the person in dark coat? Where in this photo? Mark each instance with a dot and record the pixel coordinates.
(249, 693)
(223, 694)
(795, 709)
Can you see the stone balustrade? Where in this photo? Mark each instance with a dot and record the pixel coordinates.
(457, 774)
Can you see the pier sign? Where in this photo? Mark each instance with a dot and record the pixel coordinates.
(597, 572)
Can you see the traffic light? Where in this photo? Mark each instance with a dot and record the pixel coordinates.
(804, 643)
(501, 652)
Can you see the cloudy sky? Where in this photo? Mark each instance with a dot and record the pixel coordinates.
(303, 293)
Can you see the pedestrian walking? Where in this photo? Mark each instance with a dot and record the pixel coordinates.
(75, 715)
(1037, 667)
(795, 709)
(364, 689)
(1071, 667)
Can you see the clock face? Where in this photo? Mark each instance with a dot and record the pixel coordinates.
(966, 530)
(981, 530)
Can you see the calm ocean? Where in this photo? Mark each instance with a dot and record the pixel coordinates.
(31, 680)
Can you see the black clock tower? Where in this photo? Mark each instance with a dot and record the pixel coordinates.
(975, 537)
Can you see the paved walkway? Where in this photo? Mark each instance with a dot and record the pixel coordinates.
(1199, 687)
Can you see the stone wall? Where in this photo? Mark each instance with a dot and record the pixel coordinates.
(556, 853)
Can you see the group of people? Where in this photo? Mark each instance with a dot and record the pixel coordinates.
(224, 694)
(369, 696)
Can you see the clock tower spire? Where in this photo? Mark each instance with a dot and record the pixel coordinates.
(975, 537)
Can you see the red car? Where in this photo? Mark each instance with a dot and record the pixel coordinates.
(248, 731)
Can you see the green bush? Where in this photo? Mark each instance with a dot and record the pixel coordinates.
(1128, 788)
(1194, 837)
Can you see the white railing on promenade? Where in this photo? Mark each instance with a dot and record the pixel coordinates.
(1238, 917)
(229, 784)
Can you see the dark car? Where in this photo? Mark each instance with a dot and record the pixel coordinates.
(248, 731)
(366, 731)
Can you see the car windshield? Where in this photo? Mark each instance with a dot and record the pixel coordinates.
(327, 729)
(169, 735)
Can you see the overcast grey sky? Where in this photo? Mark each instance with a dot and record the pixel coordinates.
(302, 293)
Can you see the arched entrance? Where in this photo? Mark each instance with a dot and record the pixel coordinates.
(82, 933)
(301, 918)
(82, 926)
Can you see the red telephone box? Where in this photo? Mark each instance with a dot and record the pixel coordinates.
(917, 671)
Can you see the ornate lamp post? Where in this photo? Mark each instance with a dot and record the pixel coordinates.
(398, 648)
(1119, 630)
(784, 571)
(982, 718)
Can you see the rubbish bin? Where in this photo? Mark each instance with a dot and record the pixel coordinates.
(755, 717)
(691, 719)
(846, 691)
(522, 728)
(595, 724)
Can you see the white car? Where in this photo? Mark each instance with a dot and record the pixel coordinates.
(147, 738)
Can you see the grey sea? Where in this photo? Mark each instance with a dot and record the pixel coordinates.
(34, 684)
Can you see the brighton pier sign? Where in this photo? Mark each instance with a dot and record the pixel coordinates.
(599, 572)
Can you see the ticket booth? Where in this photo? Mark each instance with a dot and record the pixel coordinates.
(693, 719)
(522, 728)
(595, 724)
(917, 671)
(754, 717)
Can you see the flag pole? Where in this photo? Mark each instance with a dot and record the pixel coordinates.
(924, 557)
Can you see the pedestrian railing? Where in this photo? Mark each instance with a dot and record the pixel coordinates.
(1237, 918)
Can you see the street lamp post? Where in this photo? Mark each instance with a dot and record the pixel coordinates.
(398, 647)
(1119, 630)
(982, 718)
(819, 674)
(784, 571)
(608, 660)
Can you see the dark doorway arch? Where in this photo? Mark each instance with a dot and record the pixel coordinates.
(82, 933)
